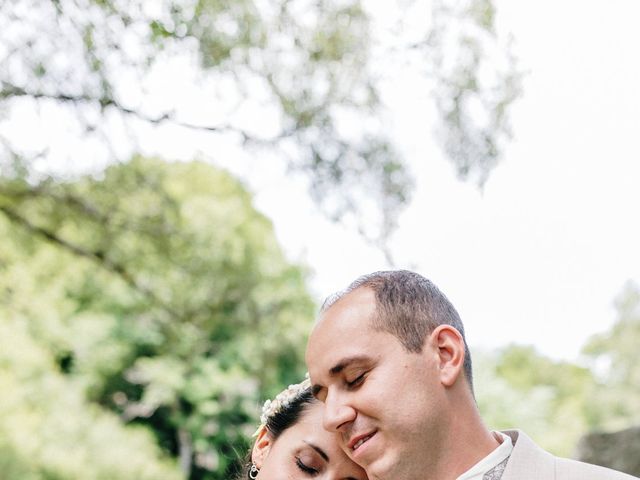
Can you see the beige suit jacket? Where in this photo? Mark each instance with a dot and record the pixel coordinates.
(530, 462)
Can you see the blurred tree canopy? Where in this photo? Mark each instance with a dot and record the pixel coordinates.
(558, 401)
(154, 298)
(517, 387)
(48, 430)
(155, 292)
(613, 356)
(297, 78)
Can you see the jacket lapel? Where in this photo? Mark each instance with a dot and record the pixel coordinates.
(528, 461)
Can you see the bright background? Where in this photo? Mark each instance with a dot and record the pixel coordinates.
(539, 255)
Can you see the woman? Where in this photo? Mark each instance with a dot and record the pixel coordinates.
(292, 444)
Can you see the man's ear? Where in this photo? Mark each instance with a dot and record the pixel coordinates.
(450, 349)
(261, 447)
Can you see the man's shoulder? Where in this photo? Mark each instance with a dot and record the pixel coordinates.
(530, 462)
(572, 469)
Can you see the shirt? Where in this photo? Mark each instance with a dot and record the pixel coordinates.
(491, 466)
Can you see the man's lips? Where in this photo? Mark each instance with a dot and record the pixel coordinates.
(357, 441)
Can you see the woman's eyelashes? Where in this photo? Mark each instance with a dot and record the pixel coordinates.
(307, 467)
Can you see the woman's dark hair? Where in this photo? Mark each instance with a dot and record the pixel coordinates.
(283, 418)
(290, 414)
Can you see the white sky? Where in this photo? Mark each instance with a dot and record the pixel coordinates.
(539, 256)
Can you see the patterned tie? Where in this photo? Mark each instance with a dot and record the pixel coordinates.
(496, 472)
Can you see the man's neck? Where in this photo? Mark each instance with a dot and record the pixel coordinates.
(468, 441)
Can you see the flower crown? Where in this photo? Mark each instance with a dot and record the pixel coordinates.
(283, 400)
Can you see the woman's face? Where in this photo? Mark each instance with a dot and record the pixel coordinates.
(304, 451)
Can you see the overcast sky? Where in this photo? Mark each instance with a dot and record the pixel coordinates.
(539, 255)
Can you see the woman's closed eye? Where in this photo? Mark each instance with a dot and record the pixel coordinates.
(307, 465)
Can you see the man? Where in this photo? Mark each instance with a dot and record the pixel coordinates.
(389, 360)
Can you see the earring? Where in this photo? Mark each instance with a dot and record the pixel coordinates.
(253, 472)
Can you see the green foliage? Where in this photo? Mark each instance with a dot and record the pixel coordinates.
(150, 310)
(557, 401)
(477, 79)
(303, 66)
(613, 356)
(49, 431)
(517, 387)
(308, 62)
(167, 300)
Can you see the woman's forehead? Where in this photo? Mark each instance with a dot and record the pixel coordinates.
(308, 432)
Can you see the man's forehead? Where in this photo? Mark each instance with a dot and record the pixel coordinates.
(361, 296)
(350, 314)
(340, 331)
(353, 309)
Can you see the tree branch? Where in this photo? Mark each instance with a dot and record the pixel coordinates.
(8, 90)
(98, 257)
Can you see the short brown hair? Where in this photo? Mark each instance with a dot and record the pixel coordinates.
(409, 307)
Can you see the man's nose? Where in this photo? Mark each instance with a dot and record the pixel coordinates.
(338, 414)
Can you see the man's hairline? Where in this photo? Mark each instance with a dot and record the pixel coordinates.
(374, 321)
(341, 295)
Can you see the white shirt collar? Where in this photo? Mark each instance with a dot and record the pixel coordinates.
(490, 461)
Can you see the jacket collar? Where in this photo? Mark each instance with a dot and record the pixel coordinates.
(528, 461)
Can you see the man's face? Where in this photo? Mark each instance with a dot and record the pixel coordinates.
(385, 402)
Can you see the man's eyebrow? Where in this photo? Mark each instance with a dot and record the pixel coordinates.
(346, 362)
(319, 450)
(339, 367)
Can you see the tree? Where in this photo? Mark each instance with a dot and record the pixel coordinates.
(166, 298)
(558, 401)
(476, 81)
(309, 69)
(49, 431)
(519, 387)
(613, 356)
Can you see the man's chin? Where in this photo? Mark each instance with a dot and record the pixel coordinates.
(380, 469)
(374, 458)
